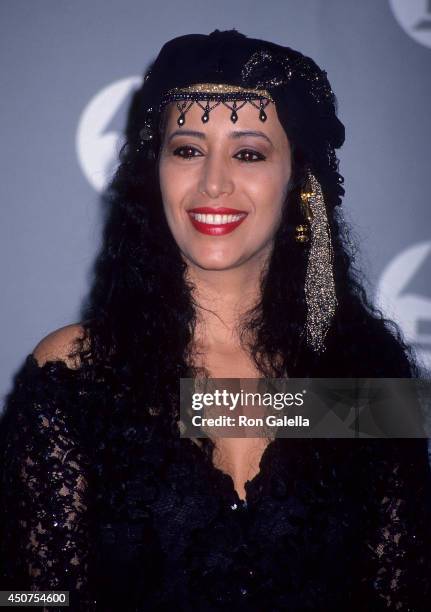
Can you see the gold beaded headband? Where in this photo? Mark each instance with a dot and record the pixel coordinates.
(222, 93)
(219, 88)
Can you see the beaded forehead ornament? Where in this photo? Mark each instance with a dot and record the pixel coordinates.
(234, 70)
(220, 93)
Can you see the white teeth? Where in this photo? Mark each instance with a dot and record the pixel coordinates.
(216, 219)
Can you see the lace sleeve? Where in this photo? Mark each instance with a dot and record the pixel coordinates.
(396, 566)
(45, 492)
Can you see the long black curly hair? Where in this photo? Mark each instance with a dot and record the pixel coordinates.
(140, 315)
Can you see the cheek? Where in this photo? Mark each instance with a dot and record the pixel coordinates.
(175, 177)
(268, 192)
(170, 189)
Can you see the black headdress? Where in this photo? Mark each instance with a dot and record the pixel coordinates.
(231, 58)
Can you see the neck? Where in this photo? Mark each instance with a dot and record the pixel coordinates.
(222, 297)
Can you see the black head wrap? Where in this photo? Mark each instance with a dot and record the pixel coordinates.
(305, 102)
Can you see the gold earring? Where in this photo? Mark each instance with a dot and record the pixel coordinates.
(302, 233)
(303, 230)
(319, 280)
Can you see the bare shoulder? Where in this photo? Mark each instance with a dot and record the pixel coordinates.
(59, 345)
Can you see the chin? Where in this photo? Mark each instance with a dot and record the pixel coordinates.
(215, 266)
(215, 263)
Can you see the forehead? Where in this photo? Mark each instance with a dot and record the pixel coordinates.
(220, 118)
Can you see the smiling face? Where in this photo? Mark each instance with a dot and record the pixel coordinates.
(223, 184)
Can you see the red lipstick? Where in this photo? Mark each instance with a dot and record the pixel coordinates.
(215, 229)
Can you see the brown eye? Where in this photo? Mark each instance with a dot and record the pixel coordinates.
(188, 152)
(248, 155)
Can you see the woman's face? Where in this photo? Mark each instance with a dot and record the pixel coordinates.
(223, 184)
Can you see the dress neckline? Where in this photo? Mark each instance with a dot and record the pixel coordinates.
(251, 484)
(225, 483)
(225, 480)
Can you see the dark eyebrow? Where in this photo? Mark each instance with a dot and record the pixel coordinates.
(236, 134)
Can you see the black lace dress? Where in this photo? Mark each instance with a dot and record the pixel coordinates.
(100, 499)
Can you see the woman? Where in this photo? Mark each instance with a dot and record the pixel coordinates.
(224, 255)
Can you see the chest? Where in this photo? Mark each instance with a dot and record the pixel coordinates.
(239, 457)
(223, 362)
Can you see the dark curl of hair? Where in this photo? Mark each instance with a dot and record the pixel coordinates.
(140, 314)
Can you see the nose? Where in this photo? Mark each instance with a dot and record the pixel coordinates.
(216, 177)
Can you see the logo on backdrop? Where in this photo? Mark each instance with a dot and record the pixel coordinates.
(414, 16)
(99, 134)
(397, 298)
